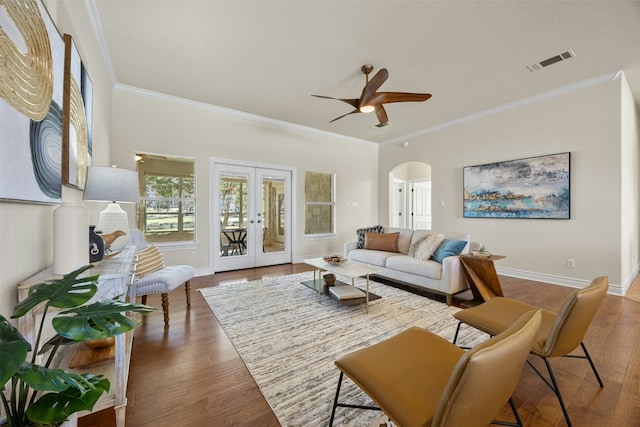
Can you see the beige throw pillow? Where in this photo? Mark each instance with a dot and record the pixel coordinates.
(148, 260)
(425, 247)
(387, 242)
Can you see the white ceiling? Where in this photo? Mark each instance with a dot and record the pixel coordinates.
(267, 57)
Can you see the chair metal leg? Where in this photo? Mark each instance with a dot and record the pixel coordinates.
(518, 422)
(335, 400)
(455, 337)
(588, 357)
(515, 412)
(346, 405)
(553, 385)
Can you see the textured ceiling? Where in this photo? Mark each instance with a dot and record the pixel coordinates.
(267, 57)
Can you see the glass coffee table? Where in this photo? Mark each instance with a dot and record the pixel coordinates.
(343, 292)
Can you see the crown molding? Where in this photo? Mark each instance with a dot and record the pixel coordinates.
(96, 24)
(233, 113)
(511, 106)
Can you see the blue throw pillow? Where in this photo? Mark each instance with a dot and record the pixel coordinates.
(448, 247)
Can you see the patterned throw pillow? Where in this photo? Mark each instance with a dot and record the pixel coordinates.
(148, 260)
(425, 247)
(360, 233)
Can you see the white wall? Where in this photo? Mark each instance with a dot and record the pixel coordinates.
(585, 122)
(629, 184)
(26, 229)
(154, 123)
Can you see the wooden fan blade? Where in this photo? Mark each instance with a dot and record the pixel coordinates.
(352, 102)
(344, 115)
(382, 116)
(373, 85)
(389, 97)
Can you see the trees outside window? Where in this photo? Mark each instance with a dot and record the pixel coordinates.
(167, 198)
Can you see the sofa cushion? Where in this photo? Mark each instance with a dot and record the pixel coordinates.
(404, 239)
(423, 248)
(376, 258)
(449, 247)
(381, 241)
(360, 233)
(407, 264)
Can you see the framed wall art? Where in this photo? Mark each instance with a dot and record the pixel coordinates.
(30, 104)
(76, 118)
(535, 187)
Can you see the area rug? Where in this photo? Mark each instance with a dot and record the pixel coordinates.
(289, 341)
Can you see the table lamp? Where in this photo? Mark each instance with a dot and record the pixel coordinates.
(114, 185)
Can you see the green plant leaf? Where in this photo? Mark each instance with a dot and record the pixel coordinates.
(101, 319)
(54, 341)
(66, 292)
(43, 379)
(56, 407)
(13, 350)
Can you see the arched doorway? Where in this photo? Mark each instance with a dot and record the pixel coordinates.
(410, 196)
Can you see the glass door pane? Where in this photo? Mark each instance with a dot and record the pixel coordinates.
(273, 214)
(251, 216)
(233, 206)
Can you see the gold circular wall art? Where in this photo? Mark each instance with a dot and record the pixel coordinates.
(26, 78)
(78, 119)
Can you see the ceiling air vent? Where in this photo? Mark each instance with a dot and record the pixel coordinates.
(550, 61)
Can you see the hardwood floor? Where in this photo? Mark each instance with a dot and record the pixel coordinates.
(191, 375)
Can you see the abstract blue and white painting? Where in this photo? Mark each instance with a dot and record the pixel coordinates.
(535, 187)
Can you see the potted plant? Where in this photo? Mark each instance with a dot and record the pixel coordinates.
(33, 393)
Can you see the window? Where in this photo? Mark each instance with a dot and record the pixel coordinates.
(167, 210)
(319, 193)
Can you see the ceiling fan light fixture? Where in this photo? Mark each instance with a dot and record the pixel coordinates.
(367, 109)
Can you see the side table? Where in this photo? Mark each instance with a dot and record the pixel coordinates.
(482, 277)
(116, 277)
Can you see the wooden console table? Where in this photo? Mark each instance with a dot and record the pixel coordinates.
(482, 277)
(116, 276)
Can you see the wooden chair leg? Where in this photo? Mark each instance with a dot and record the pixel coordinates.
(165, 308)
(187, 290)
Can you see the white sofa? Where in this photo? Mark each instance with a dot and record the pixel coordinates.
(446, 278)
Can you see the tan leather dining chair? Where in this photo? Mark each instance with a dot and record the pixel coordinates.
(420, 379)
(559, 335)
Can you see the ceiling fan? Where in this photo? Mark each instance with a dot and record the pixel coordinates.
(371, 100)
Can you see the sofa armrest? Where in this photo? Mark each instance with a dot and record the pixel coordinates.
(453, 279)
(348, 247)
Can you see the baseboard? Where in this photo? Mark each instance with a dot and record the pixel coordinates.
(520, 274)
(203, 272)
(614, 289)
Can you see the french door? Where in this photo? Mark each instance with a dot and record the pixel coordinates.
(251, 216)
